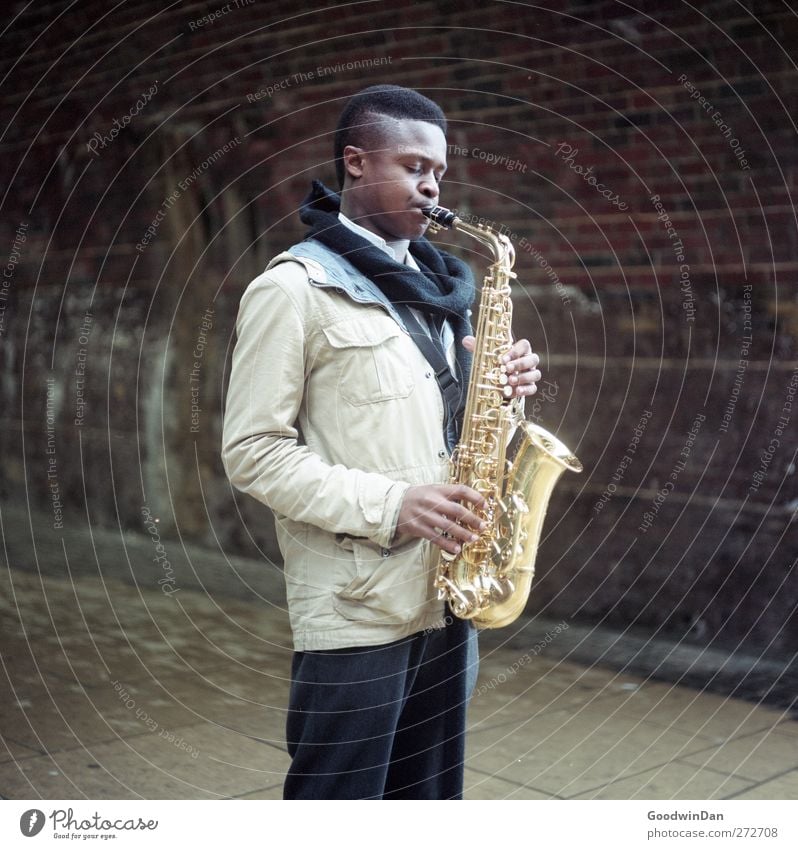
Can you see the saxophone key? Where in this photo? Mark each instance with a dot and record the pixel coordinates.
(519, 503)
(485, 467)
(477, 551)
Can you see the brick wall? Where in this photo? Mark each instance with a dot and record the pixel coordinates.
(642, 159)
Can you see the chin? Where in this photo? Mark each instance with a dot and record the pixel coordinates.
(418, 228)
(411, 225)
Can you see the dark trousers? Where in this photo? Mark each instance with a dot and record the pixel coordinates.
(382, 722)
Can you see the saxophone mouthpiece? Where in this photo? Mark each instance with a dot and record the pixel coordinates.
(440, 215)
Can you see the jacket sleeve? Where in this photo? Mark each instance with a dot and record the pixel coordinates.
(262, 451)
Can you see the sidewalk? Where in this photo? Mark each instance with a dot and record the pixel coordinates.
(112, 692)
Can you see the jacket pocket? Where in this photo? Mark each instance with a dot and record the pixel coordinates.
(391, 589)
(372, 360)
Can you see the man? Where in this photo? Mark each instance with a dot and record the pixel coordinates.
(338, 422)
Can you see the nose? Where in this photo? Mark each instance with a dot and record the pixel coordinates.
(429, 187)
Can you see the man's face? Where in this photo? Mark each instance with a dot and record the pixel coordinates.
(387, 186)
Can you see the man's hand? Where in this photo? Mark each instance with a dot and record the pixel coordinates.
(432, 512)
(521, 365)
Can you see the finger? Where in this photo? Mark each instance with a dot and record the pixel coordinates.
(445, 543)
(519, 349)
(450, 536)
(469, 343)
(459, 492)
(524, 390)
(531, 376)
(455, 528)
(448, 502)
(527, 362)
(461, 516)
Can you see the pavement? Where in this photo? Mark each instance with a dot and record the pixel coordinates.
(117, 687)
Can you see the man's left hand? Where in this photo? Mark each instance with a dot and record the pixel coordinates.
(521, 365)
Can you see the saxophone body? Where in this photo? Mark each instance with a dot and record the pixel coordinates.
(490, 579)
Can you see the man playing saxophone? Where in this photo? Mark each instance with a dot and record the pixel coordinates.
(345, 400)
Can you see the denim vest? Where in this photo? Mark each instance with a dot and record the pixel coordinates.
(326, 268)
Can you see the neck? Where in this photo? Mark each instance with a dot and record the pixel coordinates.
(351, 209)
(399, 247)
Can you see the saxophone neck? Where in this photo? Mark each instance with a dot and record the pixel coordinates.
(500, 245)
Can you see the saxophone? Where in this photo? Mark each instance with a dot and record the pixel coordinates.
(490, 579)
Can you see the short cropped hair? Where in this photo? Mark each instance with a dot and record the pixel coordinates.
(355, 126)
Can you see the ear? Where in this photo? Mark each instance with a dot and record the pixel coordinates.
(353, 160)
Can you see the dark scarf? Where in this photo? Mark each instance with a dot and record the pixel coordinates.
(444, 287)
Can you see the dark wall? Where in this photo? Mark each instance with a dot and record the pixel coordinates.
(641, 156)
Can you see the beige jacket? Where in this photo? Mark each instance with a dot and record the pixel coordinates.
(332, 413)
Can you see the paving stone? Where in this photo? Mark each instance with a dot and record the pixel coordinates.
(23, 676)
(113, 653)
(787, 726)
(11, 751)
(757, 757)
(567, 753)
(480, 786)
(150, 767)
(674, 780)
(781, 787)
(714, 717)
(538, 690)
(271, 793)
(241, 701)
(103, 655)
(68, 720)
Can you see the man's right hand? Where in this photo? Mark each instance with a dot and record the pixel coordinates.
(434, 512)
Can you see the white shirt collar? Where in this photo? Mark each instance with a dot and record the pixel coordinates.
(392, 249)
(395, 250)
